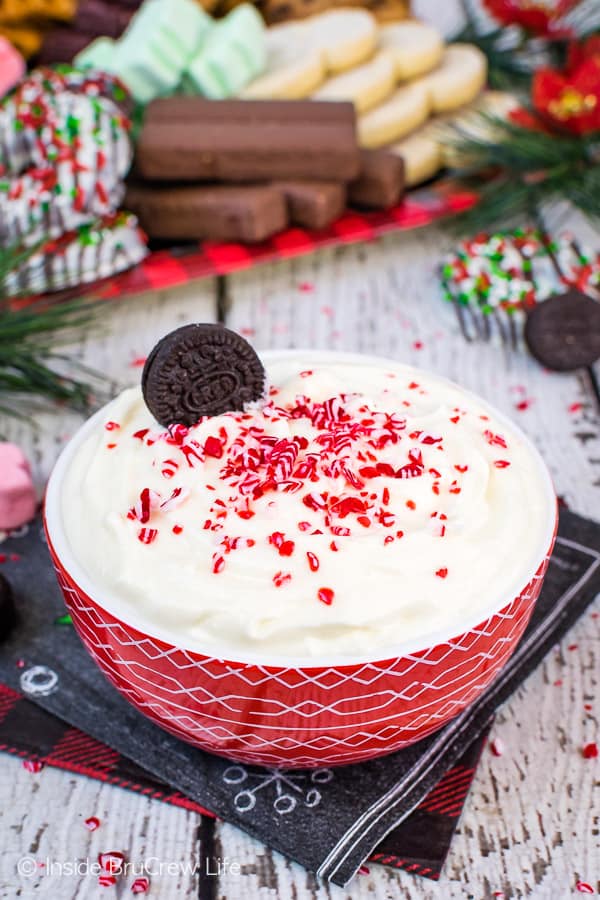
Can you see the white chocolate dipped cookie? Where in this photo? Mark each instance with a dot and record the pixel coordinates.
(407, 108)
(365, 86)
(294, 68)
(458, 79)
(417, 48)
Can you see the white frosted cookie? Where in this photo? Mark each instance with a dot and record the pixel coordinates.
(294, 68)
(458, 79)
(365, 86)
(417, 48)
(422, 155)
(346, 37)
(407, 108)
(431, 148)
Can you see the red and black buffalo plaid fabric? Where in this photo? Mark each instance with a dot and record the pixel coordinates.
(419, 845)
(170, 267)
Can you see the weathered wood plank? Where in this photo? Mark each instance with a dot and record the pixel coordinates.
(42, 818)
(529, 825)
(126, 331)
(53, 804)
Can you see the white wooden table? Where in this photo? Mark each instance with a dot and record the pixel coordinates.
(531, 823)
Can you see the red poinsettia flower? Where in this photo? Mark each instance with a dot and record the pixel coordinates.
(579, 51)
(541, 17)
(571, 101)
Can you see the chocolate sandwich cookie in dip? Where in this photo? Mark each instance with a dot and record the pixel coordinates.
(351, 505)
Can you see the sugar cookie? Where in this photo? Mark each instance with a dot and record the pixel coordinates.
(422, 155)
(365, 86)
(407, 108)
(293, 68)
(417, 48)
(458, 79)
(346, 37)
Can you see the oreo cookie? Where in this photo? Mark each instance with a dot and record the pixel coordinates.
(201, 370)
(8, 613)
(563, 332)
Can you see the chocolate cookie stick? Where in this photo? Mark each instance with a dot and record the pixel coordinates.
(192, 139)
(313, 204)
(381, 181)
(220, 212)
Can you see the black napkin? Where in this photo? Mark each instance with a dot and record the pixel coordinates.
(329, 820)
(418, 845)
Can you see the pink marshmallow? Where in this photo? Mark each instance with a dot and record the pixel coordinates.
(12, 66)
(17, 493)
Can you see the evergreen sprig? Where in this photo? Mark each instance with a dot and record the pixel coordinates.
(515, 169)
(512, 56)
(32, 335)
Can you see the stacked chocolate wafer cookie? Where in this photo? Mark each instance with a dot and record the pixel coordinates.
(242, 170)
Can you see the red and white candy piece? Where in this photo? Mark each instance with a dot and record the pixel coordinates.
(141, 885)
(497, 746)
(112, 861)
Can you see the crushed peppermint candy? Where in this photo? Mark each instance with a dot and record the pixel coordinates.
(111, 861)
(343, 473)
(497, 746)
(326, 595)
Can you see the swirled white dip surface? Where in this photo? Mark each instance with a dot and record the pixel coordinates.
(362, 505)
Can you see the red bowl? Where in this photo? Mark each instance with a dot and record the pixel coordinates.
(284, 711)
(298, 716)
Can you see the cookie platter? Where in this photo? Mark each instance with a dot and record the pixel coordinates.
(226, 142)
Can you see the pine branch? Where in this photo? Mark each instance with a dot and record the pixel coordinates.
(512, 56)
(506, 69)
(515, 169)
(31, 336)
